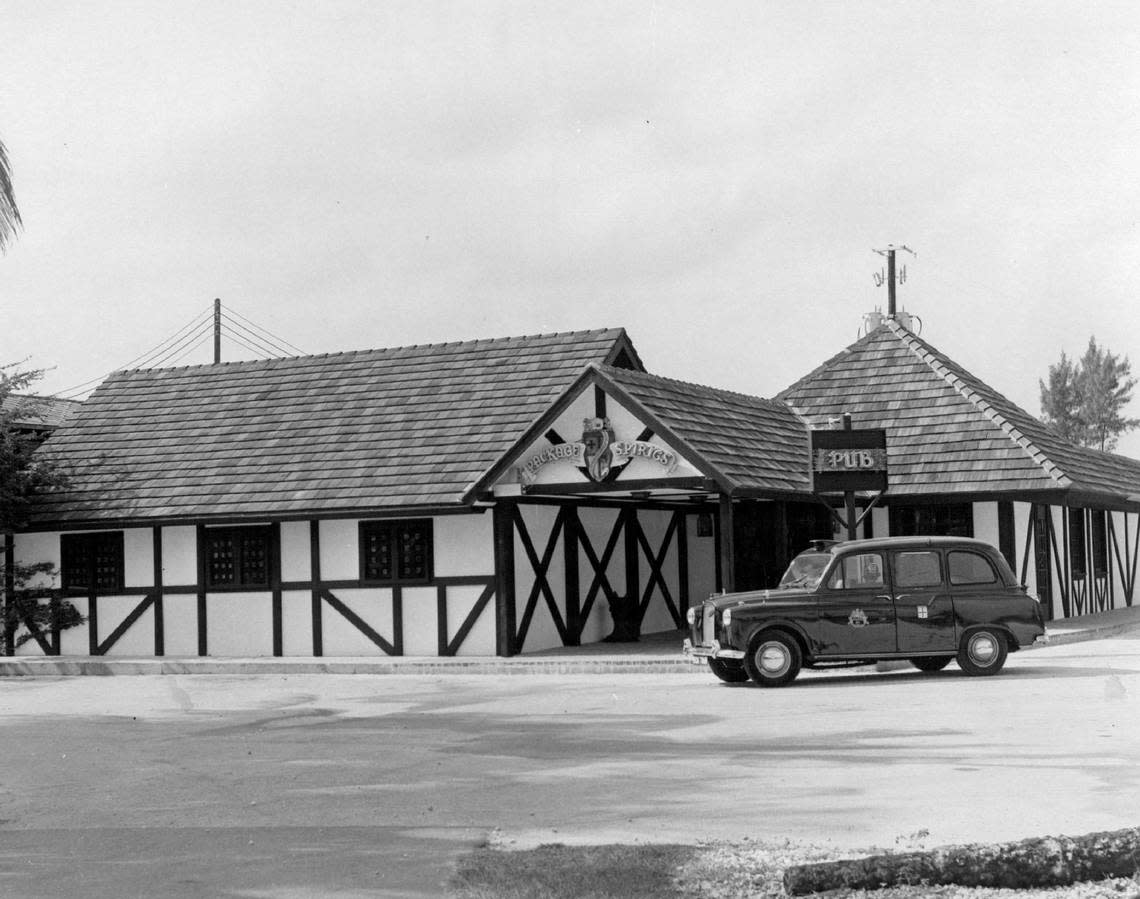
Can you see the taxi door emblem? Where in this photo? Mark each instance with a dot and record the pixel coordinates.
(923, 611)
(858, 618)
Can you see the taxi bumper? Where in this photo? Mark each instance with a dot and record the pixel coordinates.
(697, 652)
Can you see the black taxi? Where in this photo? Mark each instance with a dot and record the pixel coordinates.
(929, 600)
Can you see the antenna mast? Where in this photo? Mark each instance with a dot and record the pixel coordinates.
(218, 330)
(891, 279)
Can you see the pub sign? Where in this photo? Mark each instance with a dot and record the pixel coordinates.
(849, 460)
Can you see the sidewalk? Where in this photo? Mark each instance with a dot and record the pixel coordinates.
(653, 653)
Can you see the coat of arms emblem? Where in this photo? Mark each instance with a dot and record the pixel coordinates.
(597, 436)
(858, 618)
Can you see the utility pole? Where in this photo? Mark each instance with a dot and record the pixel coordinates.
(218, 330)
(849, 495)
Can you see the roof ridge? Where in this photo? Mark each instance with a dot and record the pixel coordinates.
(388, 349)
(623, 372)
(926, 354)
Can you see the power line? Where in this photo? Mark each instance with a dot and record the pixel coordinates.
(203, 329)
(234, 337)
(139, 360)
(205, 337)
(298, 350)
(266, 343)
(176, 347)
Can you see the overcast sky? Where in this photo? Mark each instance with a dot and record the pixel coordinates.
(712, 176)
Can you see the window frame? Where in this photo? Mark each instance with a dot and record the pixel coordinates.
(896, 557)
(67, 555)
(264, 531)
(997, 581)
(393, 527)
(840, 567)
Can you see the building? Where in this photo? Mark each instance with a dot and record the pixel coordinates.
(504, 496)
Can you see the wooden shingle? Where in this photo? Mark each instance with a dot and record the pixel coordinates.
(950, 433)
(408, 427)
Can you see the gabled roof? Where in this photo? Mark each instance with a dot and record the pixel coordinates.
(947, 431)
(746, 444)
(38, 413)
(408, 427)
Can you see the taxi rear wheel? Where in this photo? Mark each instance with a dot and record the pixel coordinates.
(931, 663)
(982, 652)
(729, 670)
(773, 659)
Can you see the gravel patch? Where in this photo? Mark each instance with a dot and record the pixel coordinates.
(754, 869)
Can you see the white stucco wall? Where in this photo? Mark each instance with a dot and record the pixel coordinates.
(986, 523)
(241, 624)
(296, 557)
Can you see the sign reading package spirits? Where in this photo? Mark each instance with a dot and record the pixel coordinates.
(849, 460)
(599, 455)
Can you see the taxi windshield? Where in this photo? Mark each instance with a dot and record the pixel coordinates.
(806, 570)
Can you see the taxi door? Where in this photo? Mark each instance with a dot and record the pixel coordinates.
(923, 606)
(856, 614)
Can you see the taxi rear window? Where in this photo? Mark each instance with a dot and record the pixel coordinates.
(971, 568)
(921, 568)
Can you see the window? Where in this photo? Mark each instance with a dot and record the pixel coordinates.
(1098, 530)
(237, 557)
(946, 519)
(917, 569)
(1077, 557)
(92, 561)
(856, 572)
(971, 568)
(396, 552)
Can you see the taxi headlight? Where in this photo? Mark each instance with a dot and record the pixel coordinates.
(726, 617)
(691, 616)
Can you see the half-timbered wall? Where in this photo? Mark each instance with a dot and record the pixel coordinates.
(571, 560)
(1078, 561)
(315, 604)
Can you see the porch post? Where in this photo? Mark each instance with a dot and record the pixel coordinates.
(570, 530)
(503, 525)
(727, 548)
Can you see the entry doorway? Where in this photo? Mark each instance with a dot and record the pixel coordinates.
(767, 534)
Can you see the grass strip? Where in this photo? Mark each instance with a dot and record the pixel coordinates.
(556, 871)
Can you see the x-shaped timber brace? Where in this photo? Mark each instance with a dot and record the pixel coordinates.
(567, 528)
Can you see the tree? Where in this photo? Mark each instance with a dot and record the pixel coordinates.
(9, 213)
(1085, 400)
(30, 599)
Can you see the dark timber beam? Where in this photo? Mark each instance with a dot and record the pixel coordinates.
(504, 531)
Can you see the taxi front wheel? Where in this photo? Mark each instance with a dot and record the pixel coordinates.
(773, 659)
(728, 670)
(982, 652)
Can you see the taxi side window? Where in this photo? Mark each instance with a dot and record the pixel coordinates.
(857, 571)
(971, 568)
(920, 568)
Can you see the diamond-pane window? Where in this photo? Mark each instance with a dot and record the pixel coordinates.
(92, 561)
(237, 557)
(396, 552)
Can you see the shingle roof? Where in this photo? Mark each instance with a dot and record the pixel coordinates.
(38, 412)
(390, 428)
(947, 431)
(750, 443)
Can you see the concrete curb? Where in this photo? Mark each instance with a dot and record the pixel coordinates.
(101, 666)
(89, 666)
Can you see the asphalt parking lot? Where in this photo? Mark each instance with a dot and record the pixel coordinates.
(360, 785)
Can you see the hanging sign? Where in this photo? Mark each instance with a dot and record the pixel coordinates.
(849, 460)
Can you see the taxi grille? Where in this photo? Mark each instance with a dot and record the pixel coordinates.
(708, 623)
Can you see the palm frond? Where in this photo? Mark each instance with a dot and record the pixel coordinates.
(10, 221)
